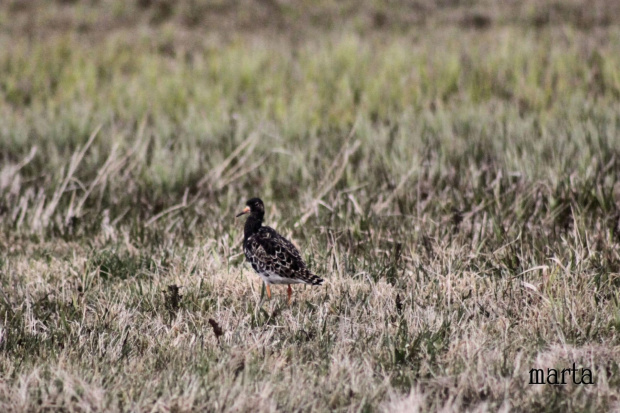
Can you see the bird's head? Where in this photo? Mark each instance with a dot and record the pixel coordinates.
(254, 206)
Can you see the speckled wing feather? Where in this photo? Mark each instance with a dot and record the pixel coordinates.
(271, 253)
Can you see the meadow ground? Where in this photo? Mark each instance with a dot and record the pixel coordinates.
(450, 168)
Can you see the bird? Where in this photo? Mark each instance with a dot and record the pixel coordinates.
(273, 257)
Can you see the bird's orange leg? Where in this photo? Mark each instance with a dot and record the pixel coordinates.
(268, 291)
(290, 293)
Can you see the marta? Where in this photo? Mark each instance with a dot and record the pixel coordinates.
(537, 376)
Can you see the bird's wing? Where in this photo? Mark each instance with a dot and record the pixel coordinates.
(280, 243)
(270, 252)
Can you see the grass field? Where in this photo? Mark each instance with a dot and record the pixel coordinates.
(450, 168)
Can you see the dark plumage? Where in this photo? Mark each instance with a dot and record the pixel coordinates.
(272, 256)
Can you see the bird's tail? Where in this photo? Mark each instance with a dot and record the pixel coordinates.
(314, 279)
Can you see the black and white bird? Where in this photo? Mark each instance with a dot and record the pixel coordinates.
(272, 256)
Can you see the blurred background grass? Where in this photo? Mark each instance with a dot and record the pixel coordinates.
(181, 84)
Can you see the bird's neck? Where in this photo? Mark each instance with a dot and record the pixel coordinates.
(252, 225)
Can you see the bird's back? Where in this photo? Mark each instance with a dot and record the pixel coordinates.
(276, 259)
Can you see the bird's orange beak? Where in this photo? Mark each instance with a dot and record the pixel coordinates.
(246, 210)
